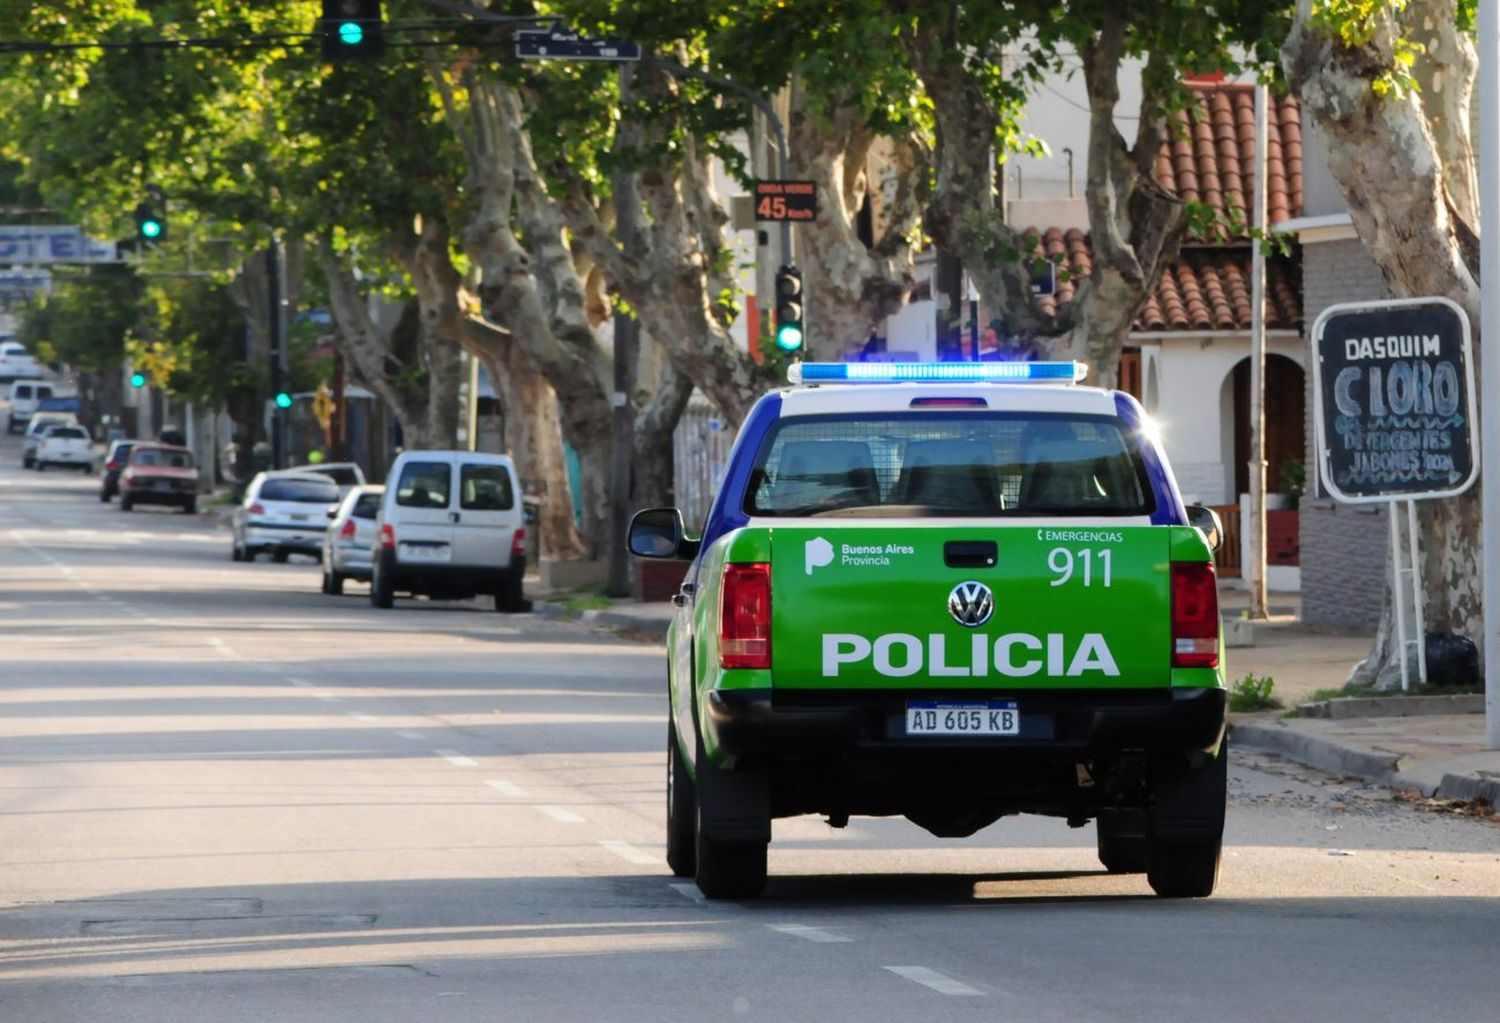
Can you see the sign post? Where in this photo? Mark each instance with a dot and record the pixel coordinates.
(1393, 391)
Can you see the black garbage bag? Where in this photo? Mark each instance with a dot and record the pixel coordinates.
(1452, 661)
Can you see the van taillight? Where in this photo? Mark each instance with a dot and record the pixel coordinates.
(387, 535)
(745, 617)
(347, 530)
(518, 544)
(1195, 616)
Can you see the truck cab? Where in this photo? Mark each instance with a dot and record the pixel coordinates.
(952, 593)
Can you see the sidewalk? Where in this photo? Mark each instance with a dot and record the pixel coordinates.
(1434, 744)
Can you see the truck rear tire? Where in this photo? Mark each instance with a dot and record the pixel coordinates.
(732, 863)
(682, 800)
(1187, 828)
(730, 870)
(1121, 851)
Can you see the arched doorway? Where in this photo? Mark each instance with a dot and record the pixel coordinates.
(1286, 420)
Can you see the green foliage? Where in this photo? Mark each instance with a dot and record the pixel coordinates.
(1253, 693)
(87, 319)
(1292, 480)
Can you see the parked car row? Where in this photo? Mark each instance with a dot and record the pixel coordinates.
(449, 526)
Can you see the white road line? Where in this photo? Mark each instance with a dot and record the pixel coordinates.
(506, 788)
(687, 890)
(816, 934)
(939, 982)
(561, 815)
(326, 697)
(629, 853)
(360, 716)
(408, 734)
(456, 759)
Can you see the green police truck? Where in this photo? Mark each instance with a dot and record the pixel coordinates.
(947, 592)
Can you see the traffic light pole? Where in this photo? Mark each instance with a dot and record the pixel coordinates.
(276, 291)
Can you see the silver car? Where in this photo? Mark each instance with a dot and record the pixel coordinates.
(350, 539)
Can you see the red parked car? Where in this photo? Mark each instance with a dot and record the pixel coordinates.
(159, 474)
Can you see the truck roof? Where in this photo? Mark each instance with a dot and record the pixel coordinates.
(846, 398)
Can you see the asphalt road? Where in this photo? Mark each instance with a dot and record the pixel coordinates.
(226, 797)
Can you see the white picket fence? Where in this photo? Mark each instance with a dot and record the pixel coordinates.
(700, 451)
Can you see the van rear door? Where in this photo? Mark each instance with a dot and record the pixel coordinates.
(420, 511)
(488, 513)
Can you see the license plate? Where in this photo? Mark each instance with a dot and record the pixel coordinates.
(414, 552)
(299, 518)
(944, 717)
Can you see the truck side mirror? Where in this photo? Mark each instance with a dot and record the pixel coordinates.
(1207, 520)
(660, 533)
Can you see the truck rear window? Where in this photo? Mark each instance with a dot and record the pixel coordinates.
(949, 464)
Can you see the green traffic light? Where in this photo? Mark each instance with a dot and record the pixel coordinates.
(283, 400)
(789, 338)
(137, 380)
(151, 228)
(351, 33)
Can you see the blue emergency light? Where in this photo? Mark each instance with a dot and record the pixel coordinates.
(944, 372)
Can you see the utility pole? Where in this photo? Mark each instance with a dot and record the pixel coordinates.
(276, 290)
(1259, 601)
(1487, 43)
(627, 345)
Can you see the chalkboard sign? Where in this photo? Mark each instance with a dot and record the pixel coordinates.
(1394, 389)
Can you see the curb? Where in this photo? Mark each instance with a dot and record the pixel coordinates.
(1319, 753)
(652, 630)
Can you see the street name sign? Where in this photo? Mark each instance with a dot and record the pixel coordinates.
(786, 200)
(1393, 389)
(52, 243)
(558, 44)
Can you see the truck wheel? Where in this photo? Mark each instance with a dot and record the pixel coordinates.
(730, 870)
(1187, 828)
(509, 596)
(333, 583)
(731, 866)
(681, 803)
(382, 587)
(1122, 849)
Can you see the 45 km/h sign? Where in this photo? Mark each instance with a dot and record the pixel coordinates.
(1394, 390)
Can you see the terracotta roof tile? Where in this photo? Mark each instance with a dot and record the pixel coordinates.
(1209, 154)
(1207, 288)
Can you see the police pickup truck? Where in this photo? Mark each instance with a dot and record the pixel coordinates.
(950, 592)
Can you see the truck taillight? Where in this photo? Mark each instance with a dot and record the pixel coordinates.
(518, 544)
(112, 466)
(1195, 616)
(745, 617)
(257, 509)
(387, 535)
(347, 530)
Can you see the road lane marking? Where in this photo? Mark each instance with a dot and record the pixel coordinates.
(506, 788)
(629, 853)
(360, 716)
(407, 734)
(561, 815)
(687, 890)
(456, 758)
(326, 697)
(816, 934)
(939, 982)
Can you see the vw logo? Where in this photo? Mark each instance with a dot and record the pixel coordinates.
(971, 604)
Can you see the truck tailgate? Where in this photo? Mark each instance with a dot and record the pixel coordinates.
(961, 607)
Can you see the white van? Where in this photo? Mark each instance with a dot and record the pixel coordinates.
(16, 363)
(450, 526)
(24, 395)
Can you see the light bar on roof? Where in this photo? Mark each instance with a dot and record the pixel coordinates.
(942, 372)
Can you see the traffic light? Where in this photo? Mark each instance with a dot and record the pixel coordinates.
(150, 222)
(137, 379)
(789, 335)
(351, 29)
(283, 400)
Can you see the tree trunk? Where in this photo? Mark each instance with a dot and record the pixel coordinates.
(654, 425)
(1404, 164)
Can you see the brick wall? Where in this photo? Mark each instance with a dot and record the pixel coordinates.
(1343, 547)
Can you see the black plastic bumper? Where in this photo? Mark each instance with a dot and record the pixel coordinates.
(1077, 724)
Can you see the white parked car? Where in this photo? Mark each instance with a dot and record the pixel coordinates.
(283, 513)
(451, 527)
(350, 538)
(37, 426)
(65, 445)
(16, 363)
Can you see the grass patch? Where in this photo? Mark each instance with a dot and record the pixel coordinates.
(1253, 693)
(587, 602)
